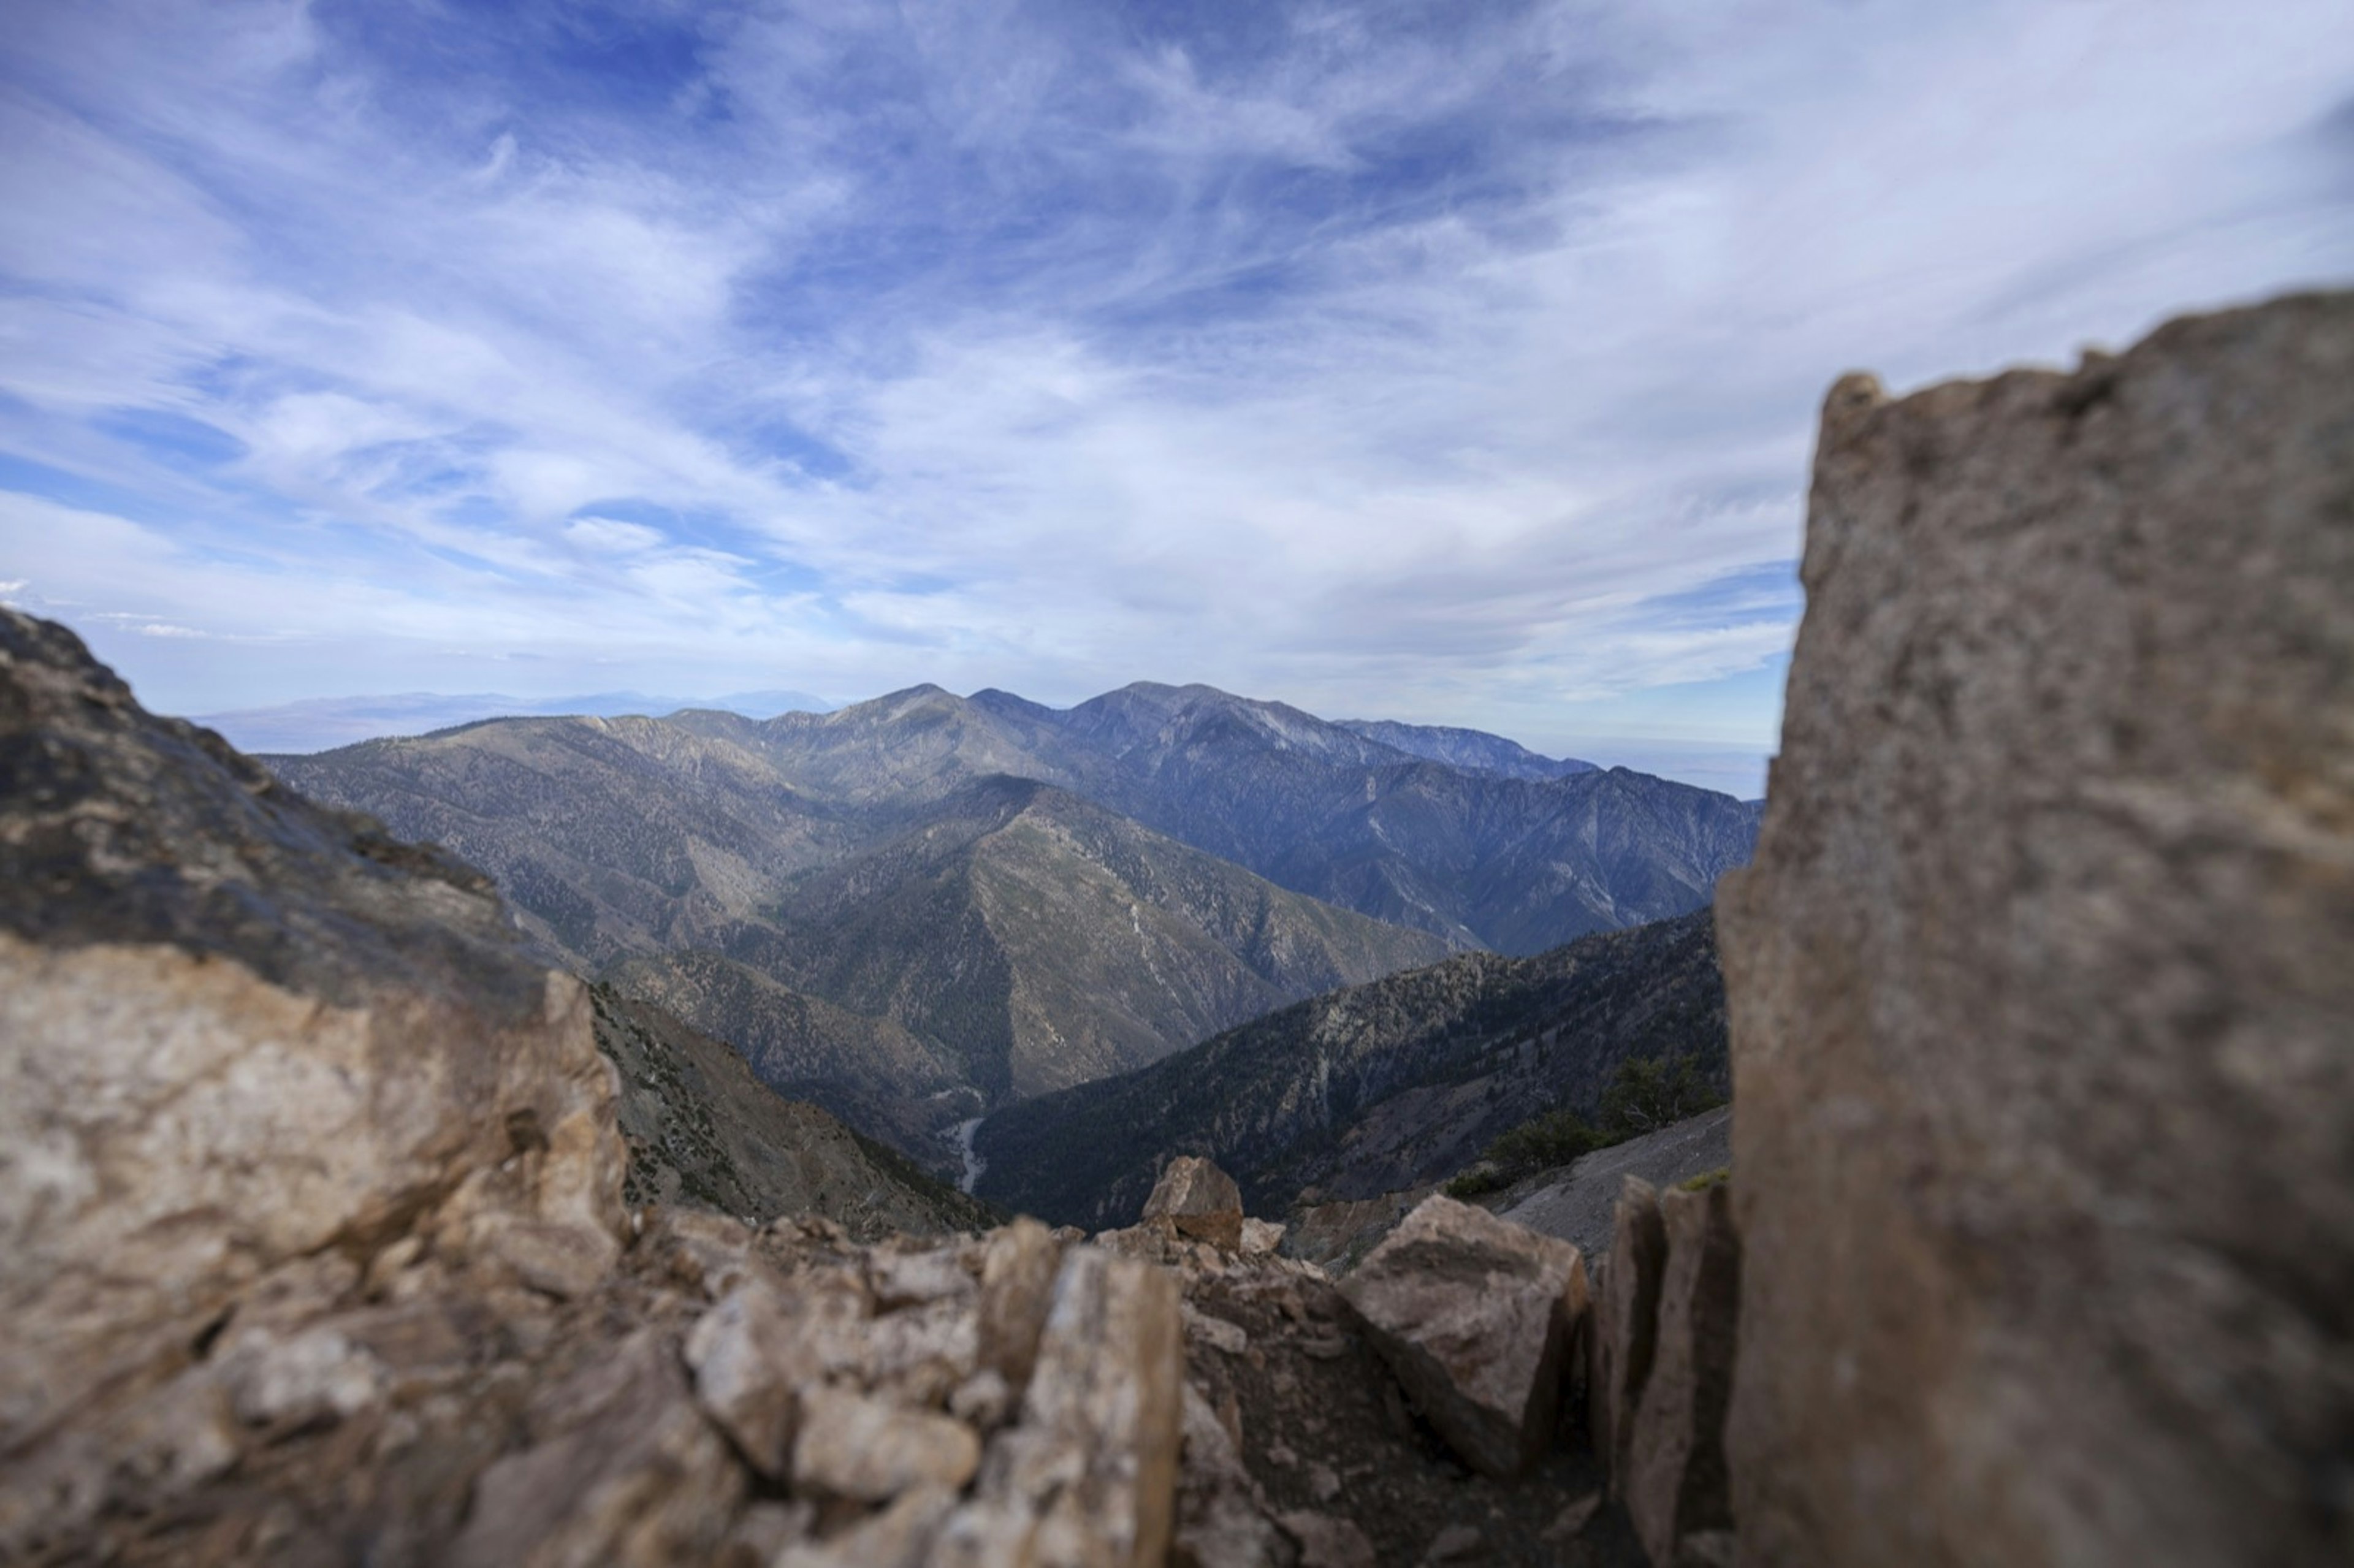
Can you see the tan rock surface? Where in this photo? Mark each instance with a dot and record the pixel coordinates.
(1201, 1200)
(2040, 989)
(1095, 1454)
(1477, 1317)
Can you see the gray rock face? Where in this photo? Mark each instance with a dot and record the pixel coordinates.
(236, 1032)
(1477, 1317)
(1201, 1201)
(1626, 1336)
(1674, 1478)
(2041, 992)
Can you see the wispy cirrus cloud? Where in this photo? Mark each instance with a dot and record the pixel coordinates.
(1449, 362)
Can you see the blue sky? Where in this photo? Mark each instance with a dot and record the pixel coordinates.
(1453, 362)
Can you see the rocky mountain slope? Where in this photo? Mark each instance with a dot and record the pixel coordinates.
(916, 908)
(1372, 1089)
(706, 812)
(320, 1251)
(703, 1132)
(1048, 942)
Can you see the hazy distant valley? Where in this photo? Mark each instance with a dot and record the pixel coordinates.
(924, 908)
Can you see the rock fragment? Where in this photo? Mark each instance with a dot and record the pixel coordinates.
(623, 1470)
(1201, 1200)
(748, 1357)
(1095, 1454)
(1017, 1287)
(1475, 1317)
(853, 1446)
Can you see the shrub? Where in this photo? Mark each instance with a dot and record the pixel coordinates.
(1647, 1093)
(1478, 1182)
(1555, 1138)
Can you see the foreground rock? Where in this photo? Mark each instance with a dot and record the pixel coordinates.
(1477, 1317)
(240, 1036)
(1625, 1335)
(2039, 986)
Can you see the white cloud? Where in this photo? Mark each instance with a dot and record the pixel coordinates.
(1419, 370)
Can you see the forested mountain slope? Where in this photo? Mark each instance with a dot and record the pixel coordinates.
(1372, 1088)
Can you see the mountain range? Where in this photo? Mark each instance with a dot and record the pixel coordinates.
(319, 724)
(916, 909)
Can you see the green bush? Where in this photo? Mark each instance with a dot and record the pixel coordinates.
(1647, 1093)
(1478, 1182)
(1555, 1138)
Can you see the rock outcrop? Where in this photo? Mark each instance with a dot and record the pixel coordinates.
(702, 1129)
(1477, 1319)
(2040, 989)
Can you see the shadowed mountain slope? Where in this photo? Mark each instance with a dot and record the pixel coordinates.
(703, 1131)
(1052, 941)
(1374, 1088)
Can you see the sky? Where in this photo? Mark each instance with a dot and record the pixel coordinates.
(1454, 362)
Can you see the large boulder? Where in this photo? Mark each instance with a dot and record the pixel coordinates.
(2040, 985)
(1477, 1316)
(1200, 1200)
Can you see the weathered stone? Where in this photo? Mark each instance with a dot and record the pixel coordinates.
(1096, 1453)
(986, 1534)
(237, 1030)
(900, 1536)
(1326, 1541)
(293, 1379)
(917, 1278)
(1202, 1200)
(1260, 1236)
(1017, 1288)
(622, 1470)
(2039, 986)
(1626, 1322)
(1477, 1317)
(748, 1356)
(852, 1447)
(1221, 1517)
(1674, 1478)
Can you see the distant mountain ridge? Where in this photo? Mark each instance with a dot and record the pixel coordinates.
(916, 909)
(1471, 749)
(322, 724)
